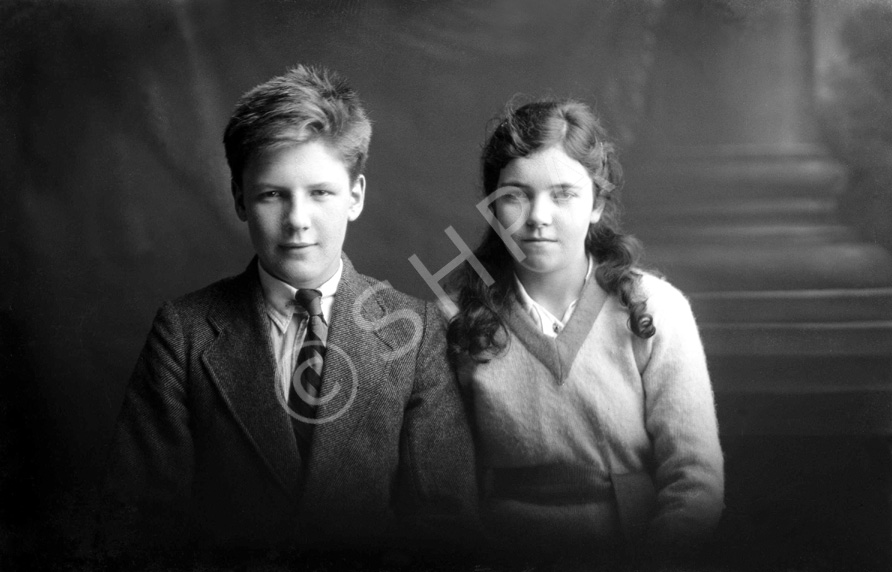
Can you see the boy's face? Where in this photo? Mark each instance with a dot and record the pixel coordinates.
(297, 201)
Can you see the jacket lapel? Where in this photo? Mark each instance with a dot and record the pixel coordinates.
(355, 369)
(242, 364)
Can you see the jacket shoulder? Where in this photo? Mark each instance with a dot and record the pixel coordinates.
(202, 300)
(389, 297)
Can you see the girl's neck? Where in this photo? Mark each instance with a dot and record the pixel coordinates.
(555, 291)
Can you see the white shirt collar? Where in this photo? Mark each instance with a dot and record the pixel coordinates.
(279, 296)
(547, 322)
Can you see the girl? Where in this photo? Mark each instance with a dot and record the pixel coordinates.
(593, 408)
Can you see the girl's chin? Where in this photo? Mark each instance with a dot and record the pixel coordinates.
(537, 267)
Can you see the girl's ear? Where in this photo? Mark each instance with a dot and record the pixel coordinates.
(597, 211)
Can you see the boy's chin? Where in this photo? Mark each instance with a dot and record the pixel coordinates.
(306, 275)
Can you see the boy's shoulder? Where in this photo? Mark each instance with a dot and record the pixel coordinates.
(366, 304)
(226, 296)
(390, 299)
(231, 286)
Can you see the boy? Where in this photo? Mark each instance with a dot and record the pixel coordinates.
(299, 403)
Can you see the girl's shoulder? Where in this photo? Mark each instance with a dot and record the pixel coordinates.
(659, 292)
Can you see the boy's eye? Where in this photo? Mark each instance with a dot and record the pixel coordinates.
(320, 192)
(266, 195)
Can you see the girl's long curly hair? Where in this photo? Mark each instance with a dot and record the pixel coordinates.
(476, 331)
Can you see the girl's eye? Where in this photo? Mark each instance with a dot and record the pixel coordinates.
(270, 195)
(564, 195)
(512, 195)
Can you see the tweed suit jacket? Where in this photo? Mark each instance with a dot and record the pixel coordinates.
(204, 451)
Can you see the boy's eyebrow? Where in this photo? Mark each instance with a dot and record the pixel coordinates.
(270, 185)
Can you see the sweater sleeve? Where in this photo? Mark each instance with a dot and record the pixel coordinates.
(681, 422)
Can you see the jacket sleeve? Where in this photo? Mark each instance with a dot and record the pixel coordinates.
(681, 420)
(149, 472)
(437, 451)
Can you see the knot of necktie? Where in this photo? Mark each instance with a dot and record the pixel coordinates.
(310, 300)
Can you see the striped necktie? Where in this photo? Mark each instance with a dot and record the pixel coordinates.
(306, 380)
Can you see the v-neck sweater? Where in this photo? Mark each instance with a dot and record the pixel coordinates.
(592, 405)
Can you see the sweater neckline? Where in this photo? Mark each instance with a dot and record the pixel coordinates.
(557, 354)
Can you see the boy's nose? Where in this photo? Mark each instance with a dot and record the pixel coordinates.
(297, 215)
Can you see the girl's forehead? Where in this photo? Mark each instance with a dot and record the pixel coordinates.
(546, 167)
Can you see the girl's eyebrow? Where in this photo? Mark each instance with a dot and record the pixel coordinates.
(556, 186)
(512, 184)
(260, 187)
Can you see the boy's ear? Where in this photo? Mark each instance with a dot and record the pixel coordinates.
(239, 198)
(357, 196)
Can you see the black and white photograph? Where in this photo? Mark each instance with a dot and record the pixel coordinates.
(446, 285)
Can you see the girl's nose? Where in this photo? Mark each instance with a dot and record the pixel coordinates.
(540, 212)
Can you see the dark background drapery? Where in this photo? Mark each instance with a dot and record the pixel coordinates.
(116, 189)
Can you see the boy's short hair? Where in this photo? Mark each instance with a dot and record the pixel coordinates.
(305, 104)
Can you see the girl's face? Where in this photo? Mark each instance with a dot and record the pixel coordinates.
(547, 202)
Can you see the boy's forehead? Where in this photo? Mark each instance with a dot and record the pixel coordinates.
(273, 147)
(316, 159)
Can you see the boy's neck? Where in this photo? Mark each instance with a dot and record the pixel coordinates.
(316, 284)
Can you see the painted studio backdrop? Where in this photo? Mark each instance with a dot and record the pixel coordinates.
(756, 139)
